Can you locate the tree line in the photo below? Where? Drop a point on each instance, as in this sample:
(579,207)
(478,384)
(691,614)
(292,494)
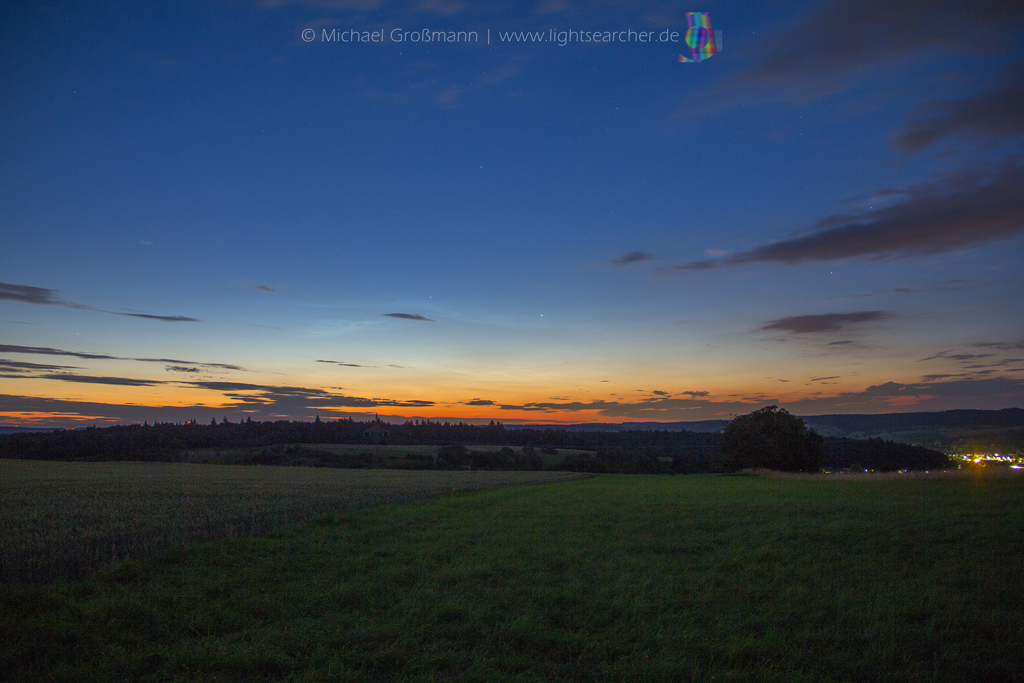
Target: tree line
(276,443)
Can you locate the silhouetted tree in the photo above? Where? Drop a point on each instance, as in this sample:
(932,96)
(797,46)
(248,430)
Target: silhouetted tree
(773,439)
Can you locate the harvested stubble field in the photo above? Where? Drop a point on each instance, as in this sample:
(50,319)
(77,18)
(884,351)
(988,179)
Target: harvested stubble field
(236,456)
(61,519)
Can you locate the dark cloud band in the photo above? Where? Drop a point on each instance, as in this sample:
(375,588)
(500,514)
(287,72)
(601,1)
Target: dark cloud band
(823,322)
(41,296)
(408,316)
(994,114)
(47,351)
(633,257)
(960,211)
(844,40)
(23,366)
(28,295)
(338,362)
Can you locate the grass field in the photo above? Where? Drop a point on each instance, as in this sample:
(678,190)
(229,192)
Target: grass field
(231,456)
(612,578)
(58,520)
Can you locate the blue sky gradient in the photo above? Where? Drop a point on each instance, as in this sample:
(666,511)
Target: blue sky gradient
(204,214)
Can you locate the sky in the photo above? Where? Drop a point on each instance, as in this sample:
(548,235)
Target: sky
(527,212)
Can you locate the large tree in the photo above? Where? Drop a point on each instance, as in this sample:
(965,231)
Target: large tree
(771,438)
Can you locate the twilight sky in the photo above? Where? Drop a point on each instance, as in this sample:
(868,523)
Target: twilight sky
(205,213)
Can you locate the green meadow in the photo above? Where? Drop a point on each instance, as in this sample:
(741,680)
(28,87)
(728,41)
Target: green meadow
(609,578)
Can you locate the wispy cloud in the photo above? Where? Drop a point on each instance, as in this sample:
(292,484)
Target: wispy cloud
(266,394)
(948,285)
(162,318)
(845,40)
(42,296)
(338,362)
(408,316)
(23,366)
(823,322)
(47,351)
(178,361)
(86,379)
(570,406)
(944,393)
(218,385)
(967,209)
(296,406)
(272,401)
(978,365)
(1002,345)
(29,295)
(993,114)
(957,356)
(651,408)
(633,257)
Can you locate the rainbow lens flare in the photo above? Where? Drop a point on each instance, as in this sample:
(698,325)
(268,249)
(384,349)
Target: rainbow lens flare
(699,37)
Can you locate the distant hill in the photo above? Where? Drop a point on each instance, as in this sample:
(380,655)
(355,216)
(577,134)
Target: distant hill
(11,429)
(701,426)
(951,431)
(862,426)
(853,426)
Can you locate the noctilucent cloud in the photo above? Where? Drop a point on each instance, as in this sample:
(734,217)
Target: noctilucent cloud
(530,212)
